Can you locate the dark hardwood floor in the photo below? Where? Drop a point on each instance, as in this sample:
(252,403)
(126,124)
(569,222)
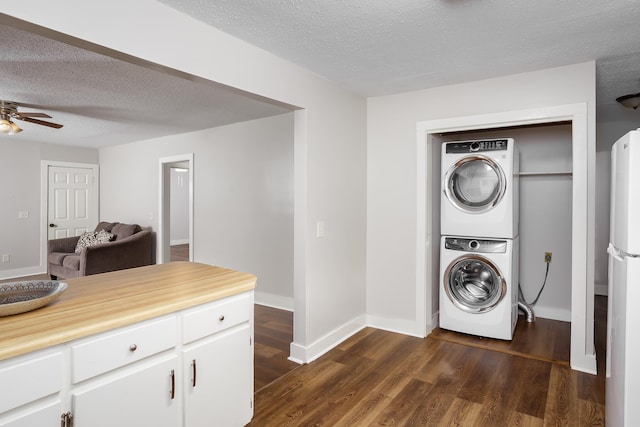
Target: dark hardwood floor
(379,378)
(273,335)
(180,252)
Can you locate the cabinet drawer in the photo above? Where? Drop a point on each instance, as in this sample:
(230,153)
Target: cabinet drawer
(127,345)
(217,316)
(25,379)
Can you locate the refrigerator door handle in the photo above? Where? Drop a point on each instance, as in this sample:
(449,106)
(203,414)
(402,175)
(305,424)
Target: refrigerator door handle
(615,253)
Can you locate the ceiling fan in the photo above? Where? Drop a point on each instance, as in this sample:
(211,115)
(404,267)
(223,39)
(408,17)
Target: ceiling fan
(9,110)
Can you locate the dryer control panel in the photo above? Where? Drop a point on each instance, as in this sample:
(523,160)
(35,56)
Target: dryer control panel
(475,245)
(476,146)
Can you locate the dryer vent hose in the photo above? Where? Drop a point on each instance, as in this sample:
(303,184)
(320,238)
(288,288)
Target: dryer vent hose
(527,308)
(528,311)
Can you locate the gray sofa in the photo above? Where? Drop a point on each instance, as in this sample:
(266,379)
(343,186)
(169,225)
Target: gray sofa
(130,247)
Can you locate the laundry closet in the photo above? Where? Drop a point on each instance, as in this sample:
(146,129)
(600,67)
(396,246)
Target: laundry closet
(543,174)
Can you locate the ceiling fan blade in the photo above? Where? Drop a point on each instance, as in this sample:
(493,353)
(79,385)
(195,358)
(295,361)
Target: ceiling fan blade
(43,115)
(40,122)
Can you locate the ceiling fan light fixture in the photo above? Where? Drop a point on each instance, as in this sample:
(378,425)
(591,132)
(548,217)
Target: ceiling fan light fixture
(630,101)
(8,127)
(5,126)
(14,128)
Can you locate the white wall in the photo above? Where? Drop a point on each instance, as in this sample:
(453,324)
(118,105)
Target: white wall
(243,196)
(392,166)
(330,144)
(20,191)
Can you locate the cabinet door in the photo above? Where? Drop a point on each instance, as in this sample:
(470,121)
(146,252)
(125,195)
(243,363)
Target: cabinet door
(219,380)
(48,416)
(139,396)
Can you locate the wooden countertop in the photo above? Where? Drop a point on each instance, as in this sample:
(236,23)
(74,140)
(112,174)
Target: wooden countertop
(101,302)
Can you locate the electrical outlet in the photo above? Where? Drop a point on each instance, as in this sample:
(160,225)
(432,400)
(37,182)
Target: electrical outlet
(6,258)
(547,257)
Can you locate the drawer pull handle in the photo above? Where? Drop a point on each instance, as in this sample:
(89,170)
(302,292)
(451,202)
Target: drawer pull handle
(193,367)
(221,318)
(133,347)
(172,392)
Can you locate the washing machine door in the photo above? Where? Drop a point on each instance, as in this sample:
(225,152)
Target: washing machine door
(475,184)
(474,284)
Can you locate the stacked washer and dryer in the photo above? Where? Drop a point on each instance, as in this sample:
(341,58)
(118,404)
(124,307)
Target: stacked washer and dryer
(479,250)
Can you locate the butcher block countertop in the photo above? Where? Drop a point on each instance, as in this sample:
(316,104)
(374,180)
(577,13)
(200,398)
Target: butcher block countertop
(101,302)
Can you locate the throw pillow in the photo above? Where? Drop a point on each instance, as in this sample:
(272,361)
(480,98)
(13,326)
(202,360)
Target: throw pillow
(92,238)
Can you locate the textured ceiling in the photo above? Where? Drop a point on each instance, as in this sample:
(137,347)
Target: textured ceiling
(372,47)
(379,47)
(103,101)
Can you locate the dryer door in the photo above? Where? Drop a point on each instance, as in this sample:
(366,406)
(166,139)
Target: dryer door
(475,184)
(474,284)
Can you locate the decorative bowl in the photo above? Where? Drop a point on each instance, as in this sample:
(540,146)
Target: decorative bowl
(20,297)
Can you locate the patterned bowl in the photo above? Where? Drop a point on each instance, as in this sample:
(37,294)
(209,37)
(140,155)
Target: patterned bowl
(20,297)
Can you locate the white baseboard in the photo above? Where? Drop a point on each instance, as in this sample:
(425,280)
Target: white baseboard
(302,354)
(601,289)
(21,272)
(551,313)
(179,242)
(401,326)
(274,301)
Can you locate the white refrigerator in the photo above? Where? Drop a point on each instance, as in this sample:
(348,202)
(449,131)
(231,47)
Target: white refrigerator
(623,323)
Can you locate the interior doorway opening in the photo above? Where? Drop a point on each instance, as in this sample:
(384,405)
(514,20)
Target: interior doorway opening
(175,172)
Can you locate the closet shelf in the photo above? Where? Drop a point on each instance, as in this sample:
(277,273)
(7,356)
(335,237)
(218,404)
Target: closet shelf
(521,174)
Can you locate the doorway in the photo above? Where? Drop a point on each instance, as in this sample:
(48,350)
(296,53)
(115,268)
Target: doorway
(583,356)
(176,209)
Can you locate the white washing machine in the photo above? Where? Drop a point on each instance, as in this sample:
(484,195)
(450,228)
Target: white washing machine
(480,188)
(479,286)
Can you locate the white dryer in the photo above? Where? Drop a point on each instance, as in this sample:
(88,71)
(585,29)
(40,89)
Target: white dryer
(479,286)
(480,188)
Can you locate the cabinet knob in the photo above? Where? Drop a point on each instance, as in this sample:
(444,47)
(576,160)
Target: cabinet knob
(133,347)
(221,318)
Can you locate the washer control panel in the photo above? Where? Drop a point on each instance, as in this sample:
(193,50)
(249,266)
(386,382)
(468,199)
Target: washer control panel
(466,244)
(458,147)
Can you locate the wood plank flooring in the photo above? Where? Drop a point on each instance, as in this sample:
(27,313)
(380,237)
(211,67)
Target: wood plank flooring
(379,378)
(180,252)
(273,335)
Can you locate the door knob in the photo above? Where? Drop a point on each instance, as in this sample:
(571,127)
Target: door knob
(52,225)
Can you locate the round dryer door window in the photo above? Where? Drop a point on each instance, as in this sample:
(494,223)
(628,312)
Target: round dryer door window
(474,284)
(475,184)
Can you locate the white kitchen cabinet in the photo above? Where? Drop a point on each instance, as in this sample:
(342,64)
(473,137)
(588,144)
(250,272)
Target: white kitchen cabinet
(40,416)
(188,369)
(142,396)
(218,363)
(218,390)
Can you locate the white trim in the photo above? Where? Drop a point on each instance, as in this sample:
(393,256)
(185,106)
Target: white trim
(274,301)
(552,313)
(302,354)
(583,146)
(601,289)
(21,272)
(300,235)
(179,242)
(44,200)
(401,326)
(162,247)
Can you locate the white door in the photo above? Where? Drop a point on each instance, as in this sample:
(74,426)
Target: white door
(72,201)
